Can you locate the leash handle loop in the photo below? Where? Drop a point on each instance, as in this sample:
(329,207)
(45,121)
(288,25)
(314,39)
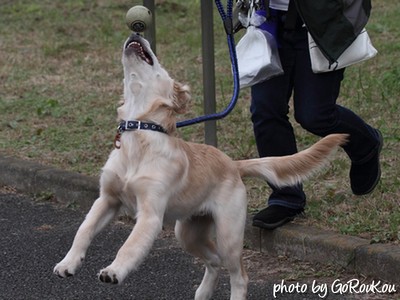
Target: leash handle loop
(228,23)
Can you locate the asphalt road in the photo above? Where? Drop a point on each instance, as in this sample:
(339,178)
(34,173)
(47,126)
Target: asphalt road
(36,235)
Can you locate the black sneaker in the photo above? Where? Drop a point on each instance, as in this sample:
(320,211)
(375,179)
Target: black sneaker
(274,216)
(365,175)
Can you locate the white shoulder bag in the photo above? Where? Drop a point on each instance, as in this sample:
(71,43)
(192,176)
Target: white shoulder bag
(361,49)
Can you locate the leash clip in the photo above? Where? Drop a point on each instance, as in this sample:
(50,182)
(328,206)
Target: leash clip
(117,139)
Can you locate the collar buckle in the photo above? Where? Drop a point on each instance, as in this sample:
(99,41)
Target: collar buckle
(135,125)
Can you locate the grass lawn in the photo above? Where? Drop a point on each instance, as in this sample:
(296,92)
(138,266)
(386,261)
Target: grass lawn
(61,80)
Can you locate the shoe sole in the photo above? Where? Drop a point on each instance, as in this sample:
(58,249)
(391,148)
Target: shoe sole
(373,186)
(261,224)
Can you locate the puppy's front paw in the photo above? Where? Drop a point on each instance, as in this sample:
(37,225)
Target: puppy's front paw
(107,275)
(62,271)
(66,268)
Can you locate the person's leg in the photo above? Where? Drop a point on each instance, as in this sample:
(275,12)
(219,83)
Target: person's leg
(316,110)
(274,134)
(275,137)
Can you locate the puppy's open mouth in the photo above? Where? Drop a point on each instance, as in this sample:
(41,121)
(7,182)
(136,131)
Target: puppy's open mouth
(140,51)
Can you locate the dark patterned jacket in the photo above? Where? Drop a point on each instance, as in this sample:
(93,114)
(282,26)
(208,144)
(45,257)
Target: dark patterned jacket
(334,24)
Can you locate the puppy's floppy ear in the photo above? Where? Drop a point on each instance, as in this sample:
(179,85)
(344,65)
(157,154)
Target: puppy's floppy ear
(180,97)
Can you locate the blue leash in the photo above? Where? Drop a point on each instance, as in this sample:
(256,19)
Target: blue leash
(228,24)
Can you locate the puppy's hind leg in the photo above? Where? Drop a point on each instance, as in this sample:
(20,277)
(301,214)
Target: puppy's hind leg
(230,217)
(194,235)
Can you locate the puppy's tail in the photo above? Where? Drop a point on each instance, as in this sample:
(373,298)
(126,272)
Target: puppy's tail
(292,169)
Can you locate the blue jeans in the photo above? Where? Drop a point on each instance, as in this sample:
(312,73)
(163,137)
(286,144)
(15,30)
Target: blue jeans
(315,109)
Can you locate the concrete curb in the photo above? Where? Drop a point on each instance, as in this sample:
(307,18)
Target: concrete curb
(30,177)
(379,261)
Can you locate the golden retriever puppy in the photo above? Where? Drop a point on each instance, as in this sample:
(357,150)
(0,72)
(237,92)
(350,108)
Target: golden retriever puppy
(157,175)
